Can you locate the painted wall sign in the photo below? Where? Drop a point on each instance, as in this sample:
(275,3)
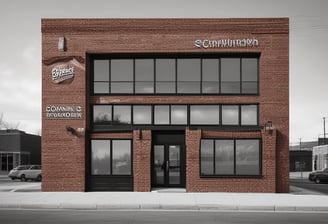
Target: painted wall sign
(63,69)
(61,73)
(227,43)
(63,112)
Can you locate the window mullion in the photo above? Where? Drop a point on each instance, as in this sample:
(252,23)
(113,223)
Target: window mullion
(111,157)
(214,156)
(110,77)
(241,77)
(234,157)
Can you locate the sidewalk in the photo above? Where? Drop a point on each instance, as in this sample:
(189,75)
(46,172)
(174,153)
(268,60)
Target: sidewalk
(163,201)
(298,199)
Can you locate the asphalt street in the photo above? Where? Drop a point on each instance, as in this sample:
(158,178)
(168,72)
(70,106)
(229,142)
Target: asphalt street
(8,185)
(158,217)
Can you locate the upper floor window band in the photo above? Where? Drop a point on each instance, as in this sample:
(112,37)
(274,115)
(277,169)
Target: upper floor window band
(177,76)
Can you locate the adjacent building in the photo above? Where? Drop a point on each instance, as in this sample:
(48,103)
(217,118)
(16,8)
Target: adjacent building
(138,104)
(18,148)
(320,157)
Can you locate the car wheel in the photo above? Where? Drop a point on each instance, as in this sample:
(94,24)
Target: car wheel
(317,180)
(23,178)
(39,178)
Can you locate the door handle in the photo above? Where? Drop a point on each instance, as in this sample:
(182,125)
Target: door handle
(167,166)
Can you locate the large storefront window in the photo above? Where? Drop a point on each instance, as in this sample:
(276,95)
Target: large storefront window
(231,157)
(208,74)
(106,116)
(110,157)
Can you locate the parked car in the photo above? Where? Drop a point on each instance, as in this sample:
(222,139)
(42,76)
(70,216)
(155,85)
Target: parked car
(319,176)
(26,172)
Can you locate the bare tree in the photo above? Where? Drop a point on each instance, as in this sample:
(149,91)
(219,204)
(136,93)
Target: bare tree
(6,125)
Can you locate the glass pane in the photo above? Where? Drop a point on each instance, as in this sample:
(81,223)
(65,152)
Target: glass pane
(165,70)
(178,114)
(209,115)
(122,115)
(207,154)
(121,157)
(248,157)
(121,87)
(250,87)
(230,115)
(174,163)
(174,155)
(189,70)
(100,157)
(162,115)
(142,114)
(230,87)
(210,70)
(250,75)
(210,87)
(159,165)
(249,69)
(101,87)
(165,87)
(144,70)
(101,70)
(230,75)
(102,114)
(174,176)
(122,70)
(188,87)
(249,115)
(144,87)
(224,157)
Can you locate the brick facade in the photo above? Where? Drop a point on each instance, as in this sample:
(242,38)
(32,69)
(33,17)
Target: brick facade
(65,157)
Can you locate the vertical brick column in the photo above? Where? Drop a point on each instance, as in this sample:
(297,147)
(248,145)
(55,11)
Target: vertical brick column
(141,160)
(269,160)
(192,159)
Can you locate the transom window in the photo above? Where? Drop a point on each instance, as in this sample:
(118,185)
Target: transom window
(107,116)
(230,157)
(215,75)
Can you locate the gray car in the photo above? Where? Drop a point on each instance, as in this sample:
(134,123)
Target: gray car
(26,172)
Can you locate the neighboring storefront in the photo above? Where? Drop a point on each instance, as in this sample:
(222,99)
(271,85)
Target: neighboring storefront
(138,104)
(18,148)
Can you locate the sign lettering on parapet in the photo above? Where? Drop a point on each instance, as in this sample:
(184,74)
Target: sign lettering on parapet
(227,43)
(63,112)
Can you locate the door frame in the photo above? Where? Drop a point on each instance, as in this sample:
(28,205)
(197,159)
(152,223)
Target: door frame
(169,138)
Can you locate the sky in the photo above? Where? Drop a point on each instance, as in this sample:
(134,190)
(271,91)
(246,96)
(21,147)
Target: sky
(20,49)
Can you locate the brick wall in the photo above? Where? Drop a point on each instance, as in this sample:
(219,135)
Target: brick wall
(141,160)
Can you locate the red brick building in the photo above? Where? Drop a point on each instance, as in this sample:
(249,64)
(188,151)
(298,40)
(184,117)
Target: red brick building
(138,104)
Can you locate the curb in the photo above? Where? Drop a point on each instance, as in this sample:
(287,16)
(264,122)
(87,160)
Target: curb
(166,207)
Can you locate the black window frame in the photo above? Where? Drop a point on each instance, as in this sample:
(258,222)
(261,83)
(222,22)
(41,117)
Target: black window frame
(111,158)
(98,127)
(234,175)
(174,56)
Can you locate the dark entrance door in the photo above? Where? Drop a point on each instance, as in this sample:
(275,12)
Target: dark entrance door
(168,160)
